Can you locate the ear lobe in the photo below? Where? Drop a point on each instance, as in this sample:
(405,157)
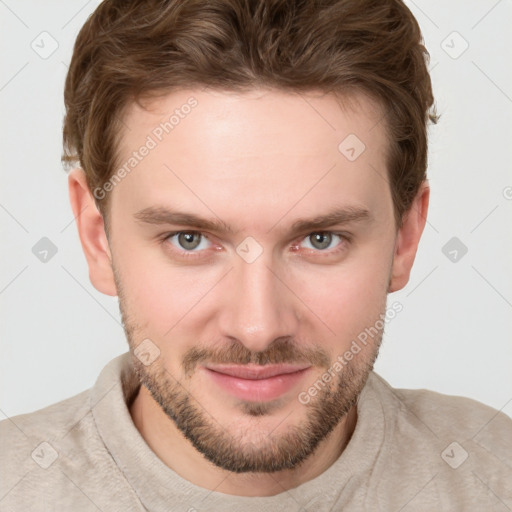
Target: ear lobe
(91,230)
(408,239)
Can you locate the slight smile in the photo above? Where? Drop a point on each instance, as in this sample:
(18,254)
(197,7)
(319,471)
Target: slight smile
(256,383)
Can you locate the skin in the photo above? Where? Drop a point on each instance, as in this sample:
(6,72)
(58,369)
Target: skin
(258,161)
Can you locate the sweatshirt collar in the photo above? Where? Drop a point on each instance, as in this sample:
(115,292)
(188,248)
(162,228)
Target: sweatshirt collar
(159,487)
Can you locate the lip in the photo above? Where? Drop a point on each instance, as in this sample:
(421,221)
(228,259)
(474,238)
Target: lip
(256,383)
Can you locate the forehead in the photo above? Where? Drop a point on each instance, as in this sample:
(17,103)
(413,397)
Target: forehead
(279,120)
(263,149)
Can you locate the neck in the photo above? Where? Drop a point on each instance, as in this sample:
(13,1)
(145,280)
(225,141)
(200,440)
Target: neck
(169,444)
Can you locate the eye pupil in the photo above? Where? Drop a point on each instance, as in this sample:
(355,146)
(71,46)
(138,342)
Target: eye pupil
(186,240)
(322,238)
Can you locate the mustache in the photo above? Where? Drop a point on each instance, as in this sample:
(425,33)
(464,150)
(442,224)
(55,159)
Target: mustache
(280,351)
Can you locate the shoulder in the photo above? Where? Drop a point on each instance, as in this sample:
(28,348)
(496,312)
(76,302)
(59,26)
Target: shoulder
(56,449)
(20,434)
(49,421)
(461,447)
(57,454)
(446,413)
(34,440)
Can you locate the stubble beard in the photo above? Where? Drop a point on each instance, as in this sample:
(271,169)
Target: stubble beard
(270,453)
(236,452)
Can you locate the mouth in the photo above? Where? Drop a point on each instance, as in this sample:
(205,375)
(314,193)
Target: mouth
(256,383)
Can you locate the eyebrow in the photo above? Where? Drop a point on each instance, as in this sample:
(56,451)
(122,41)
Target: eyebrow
(161,215)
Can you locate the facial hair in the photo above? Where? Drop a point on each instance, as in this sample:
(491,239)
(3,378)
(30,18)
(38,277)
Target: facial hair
(271,452)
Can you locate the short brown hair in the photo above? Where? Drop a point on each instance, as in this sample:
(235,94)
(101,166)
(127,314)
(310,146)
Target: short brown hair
(128,50)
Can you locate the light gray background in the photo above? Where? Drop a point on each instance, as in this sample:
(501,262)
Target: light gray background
(453,335)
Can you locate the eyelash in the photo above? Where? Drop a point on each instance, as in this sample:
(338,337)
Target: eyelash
(345,240)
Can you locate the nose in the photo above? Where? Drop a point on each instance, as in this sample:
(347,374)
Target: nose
(257,305)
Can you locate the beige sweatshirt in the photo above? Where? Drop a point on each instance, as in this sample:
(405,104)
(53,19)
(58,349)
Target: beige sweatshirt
(411,450)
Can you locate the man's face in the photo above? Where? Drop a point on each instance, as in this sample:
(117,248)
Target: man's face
(244,322)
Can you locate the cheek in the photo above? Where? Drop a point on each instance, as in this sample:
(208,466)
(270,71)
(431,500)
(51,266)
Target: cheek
(159,293)
(347,298)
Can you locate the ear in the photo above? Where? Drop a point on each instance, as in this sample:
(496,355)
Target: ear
(408,238)
(91,230)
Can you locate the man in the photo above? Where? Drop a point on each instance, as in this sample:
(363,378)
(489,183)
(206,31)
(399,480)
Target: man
(249,179)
